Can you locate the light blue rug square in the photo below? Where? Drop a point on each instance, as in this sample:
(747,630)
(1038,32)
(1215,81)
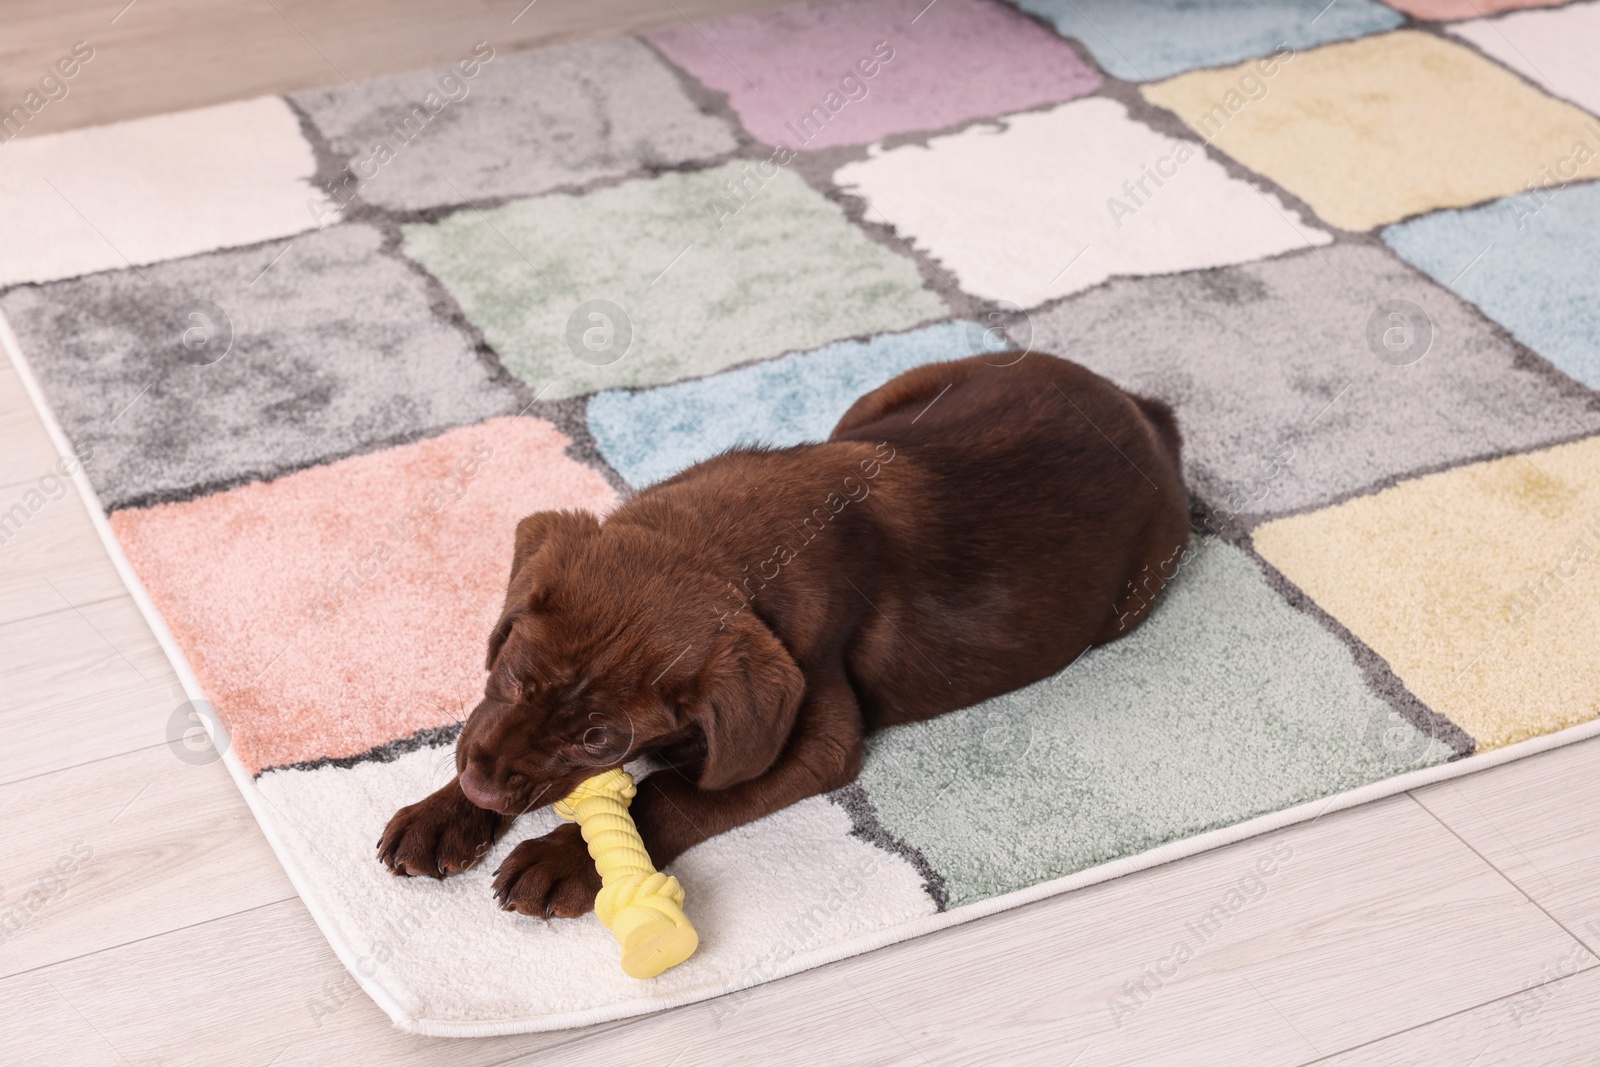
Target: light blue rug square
(1146,40)
(651,434)
(1531,262)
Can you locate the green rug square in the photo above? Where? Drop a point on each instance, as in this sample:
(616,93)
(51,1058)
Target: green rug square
(665,278)
(1226,704)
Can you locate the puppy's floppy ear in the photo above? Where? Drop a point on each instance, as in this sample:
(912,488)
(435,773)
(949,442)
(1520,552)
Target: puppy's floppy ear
(745,702)
(533,533)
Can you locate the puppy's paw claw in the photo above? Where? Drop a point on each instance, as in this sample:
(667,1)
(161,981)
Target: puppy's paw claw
(549,877)
(439,836)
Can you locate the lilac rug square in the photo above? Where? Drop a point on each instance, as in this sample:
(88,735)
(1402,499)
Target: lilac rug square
(820,75)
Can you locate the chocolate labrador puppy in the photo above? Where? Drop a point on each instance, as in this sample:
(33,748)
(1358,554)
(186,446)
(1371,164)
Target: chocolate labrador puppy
(969,528)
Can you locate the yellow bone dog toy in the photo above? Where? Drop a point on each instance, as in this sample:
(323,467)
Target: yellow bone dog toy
(639,904)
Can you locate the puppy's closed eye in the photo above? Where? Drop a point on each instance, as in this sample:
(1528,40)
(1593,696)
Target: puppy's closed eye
(505,686)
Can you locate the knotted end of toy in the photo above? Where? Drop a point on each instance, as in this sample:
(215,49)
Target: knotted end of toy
(641,906)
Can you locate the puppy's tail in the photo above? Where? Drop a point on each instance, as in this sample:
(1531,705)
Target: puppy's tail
(1165,424)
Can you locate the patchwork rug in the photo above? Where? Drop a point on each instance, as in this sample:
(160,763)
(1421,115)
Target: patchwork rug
(319,353)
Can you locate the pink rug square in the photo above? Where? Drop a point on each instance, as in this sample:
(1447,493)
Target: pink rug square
(818,75)
(1446,10)
(347,605)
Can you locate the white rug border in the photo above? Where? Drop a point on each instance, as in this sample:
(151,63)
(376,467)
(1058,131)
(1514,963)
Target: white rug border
(348,955)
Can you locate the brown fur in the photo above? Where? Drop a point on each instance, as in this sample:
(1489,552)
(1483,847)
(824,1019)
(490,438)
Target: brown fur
(968,528)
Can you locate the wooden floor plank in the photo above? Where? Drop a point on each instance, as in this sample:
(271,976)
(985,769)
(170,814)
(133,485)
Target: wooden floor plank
(1535,820)
(122,849)
(254,988)
(1376,922)
(52,558)
(1556,1024)
(26,454)
(81,684)
(210,51)
(44,1030)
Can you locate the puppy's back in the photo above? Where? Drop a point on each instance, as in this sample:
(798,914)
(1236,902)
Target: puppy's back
(1030,493)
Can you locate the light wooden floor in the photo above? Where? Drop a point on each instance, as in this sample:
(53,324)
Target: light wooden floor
(1454,925)
(154,56)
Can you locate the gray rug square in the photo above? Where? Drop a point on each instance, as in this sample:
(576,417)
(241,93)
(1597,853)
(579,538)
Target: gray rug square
(202,373)
(1301,380)
(521,124)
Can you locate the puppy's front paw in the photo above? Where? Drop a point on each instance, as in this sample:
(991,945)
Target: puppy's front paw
(440,835)
(550,876)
